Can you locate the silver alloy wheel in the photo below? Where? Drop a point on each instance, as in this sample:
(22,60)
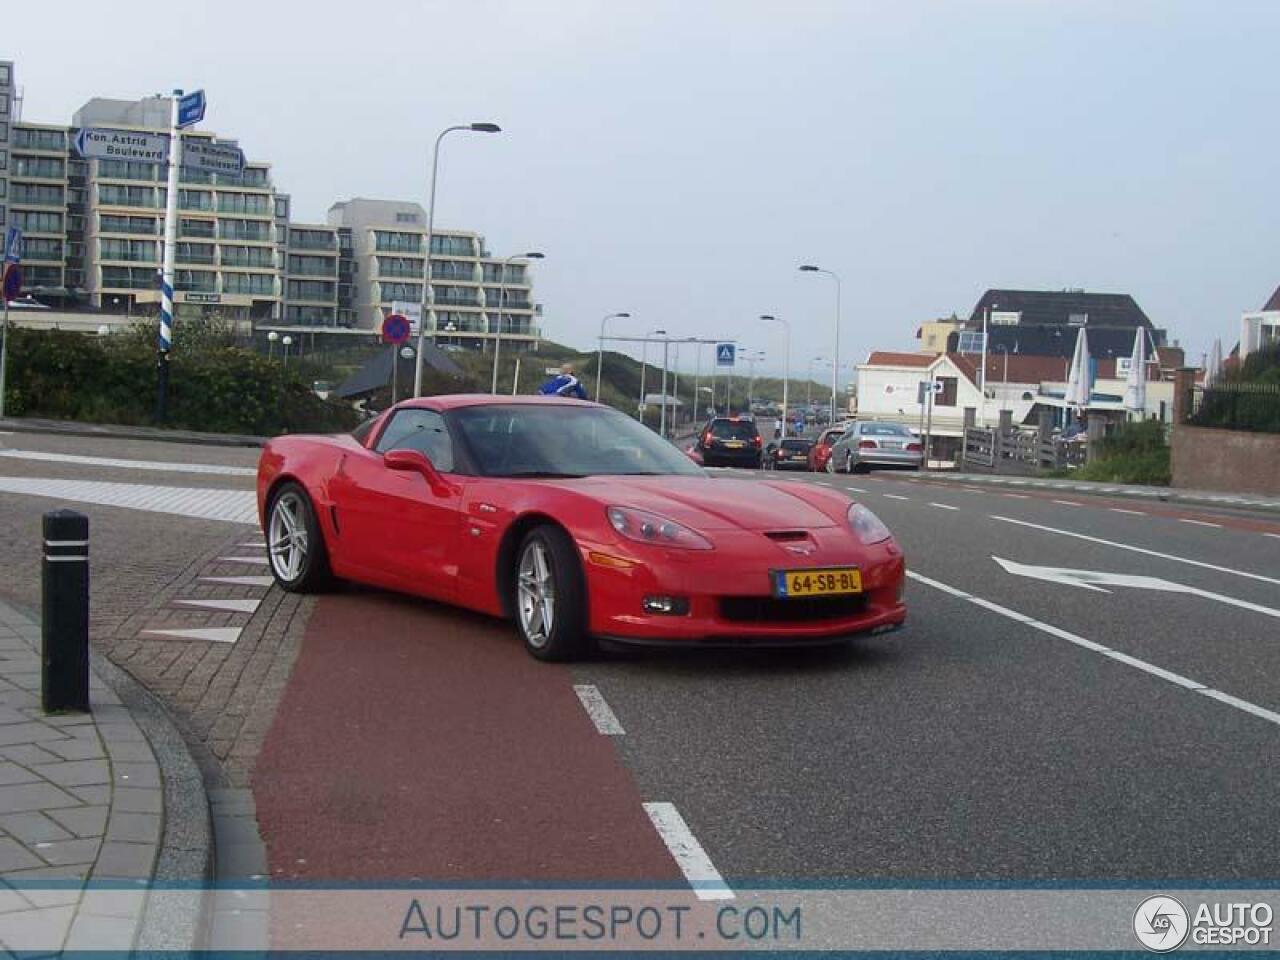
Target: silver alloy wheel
(537,594)
(287,536)
(848,461)
(831,464)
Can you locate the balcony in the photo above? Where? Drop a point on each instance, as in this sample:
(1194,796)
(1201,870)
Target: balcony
(453,300)
(303,241)
(198,228)
(126,256)
(230,232)
(249,263)
(200,259)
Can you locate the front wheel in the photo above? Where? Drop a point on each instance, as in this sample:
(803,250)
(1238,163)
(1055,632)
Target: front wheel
(550,596)
(831,464)
(295,544)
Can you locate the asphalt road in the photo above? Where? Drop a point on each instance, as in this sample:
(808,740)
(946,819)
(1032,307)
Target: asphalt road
(1020,729)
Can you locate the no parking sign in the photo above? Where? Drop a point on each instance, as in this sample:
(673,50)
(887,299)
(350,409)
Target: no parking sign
(395,328)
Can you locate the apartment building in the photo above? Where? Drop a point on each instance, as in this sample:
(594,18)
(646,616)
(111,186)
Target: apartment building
(388,254)
(94,234)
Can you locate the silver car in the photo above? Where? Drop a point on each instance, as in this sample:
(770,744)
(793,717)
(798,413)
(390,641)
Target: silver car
(865,444)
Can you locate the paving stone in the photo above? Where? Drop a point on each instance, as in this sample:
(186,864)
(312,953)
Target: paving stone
(113,902)
(101,933)
(14,856)
(138,799)
(32,827)
(76,749)
(15,773)
(82,821)
(130,752)
(94,796)
(62,895)
(136,775)
(29,755)
(36,931)
(62,852)
(120,732)
(11,900)
(34,796)
(119,859)
(134,827)
(77,773)
(19,733)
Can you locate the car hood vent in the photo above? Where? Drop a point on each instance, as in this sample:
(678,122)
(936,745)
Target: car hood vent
(787,536)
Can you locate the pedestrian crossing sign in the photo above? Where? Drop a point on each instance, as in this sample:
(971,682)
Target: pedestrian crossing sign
(725,353)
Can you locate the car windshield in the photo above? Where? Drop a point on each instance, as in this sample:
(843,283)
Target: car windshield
(795,445)
(884,430)
(563,440)
(733,430)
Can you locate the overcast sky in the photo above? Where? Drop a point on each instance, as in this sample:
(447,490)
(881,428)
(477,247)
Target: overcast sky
(678,160)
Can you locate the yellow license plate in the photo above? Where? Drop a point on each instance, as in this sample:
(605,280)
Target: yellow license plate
(831,581)
(734,443)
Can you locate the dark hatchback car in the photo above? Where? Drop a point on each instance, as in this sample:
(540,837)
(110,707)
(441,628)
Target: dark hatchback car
(730,442)
(791,454)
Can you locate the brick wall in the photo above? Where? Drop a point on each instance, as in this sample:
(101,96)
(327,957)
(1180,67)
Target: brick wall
(1234,461)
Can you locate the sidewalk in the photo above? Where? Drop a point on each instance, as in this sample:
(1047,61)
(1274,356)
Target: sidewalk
(1203,498)
(83,816)
(74,428)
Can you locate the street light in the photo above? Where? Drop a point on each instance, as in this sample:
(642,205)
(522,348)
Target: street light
(835,355)
(1004,381)
(272,337)
(600,351)
(786,367)
(287,342)
(502,295)
(644,364)
(427,297)
(808,389)
(752,359)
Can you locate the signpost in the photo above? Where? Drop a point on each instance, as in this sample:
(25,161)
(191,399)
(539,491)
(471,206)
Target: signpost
(190,108)
(395,331)
(726,354)
(12,285)
(99,143)
(210,157)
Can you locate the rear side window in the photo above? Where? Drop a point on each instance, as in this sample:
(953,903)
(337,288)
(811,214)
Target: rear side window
(733,430)
(884,430)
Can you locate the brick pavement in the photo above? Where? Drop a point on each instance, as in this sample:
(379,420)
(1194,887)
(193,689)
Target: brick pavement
(80,811)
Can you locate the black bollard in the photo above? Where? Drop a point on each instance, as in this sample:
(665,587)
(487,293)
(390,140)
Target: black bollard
(64,674)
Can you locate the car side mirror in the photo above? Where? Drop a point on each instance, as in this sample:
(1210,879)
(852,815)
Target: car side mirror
(415,461)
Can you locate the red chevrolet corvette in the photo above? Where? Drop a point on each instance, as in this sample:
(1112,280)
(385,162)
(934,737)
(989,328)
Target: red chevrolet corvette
(576,522)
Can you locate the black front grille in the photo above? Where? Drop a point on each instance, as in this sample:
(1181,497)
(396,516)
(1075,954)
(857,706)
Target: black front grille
(791,609)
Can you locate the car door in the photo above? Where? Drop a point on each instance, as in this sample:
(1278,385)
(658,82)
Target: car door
(399,528)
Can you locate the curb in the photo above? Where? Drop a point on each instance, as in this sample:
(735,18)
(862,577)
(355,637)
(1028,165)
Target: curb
(1132,492)
(72,428)
(170,924)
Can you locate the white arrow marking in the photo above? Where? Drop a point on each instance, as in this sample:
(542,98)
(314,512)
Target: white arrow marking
(214,634)
(1095,580)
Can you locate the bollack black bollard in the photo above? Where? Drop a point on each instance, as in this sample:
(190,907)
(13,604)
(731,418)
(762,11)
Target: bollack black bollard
(64,674)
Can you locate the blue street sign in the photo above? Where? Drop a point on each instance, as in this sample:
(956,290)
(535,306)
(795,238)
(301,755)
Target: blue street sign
(725,354)
(12,245)
(12,282)
(191,108)
(395,328)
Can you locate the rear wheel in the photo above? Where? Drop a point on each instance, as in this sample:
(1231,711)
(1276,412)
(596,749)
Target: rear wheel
(550,597)
(295,545)
(831,464)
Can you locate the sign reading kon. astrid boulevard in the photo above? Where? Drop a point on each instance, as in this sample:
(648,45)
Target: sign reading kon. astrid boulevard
(103,144)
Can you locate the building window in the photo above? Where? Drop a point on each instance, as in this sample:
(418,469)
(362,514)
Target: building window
(406,218)
(259,283)
(411,292)
(32,221)
(385,241)
(6,75)
(1005,318)
(947,398)
(310,290)
(4,127)
(970,341)
(453,246)
(126,170)
(1077,319)
(4,159)
(113,223)
(4,188)
(38,195)
(313,266)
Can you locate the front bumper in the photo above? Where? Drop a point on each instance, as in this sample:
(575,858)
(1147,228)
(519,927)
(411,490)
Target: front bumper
(712,580)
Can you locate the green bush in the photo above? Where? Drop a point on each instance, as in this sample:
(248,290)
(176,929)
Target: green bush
(1134,453)
(214,386)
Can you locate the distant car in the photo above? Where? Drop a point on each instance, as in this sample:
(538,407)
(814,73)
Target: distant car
(868,444)
(791,454)
(820,452)
(731,442)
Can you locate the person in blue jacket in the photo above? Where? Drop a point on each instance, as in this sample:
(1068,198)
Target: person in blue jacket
(565,384)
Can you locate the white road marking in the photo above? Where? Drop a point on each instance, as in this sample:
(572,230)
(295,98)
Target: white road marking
(1149,668)
(241,581)
(598,710)
(252,546)
(230,506)
(1143,550)
(943,506)
(214,634)
(1016,496)
(1132,513)
(693,861)
(259,560)
(822,483)
(1273,536)
(1068,503)
(1200,523)
(160,465)
(1098,580)
(230,606)
(895,496)
(855,489)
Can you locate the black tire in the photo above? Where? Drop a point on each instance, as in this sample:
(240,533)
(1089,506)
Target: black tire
(567,638)
(311,573)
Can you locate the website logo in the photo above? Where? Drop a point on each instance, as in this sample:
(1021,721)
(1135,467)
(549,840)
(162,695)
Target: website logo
(1161,923)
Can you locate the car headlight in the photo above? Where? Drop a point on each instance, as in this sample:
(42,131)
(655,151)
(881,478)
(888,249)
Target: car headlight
(646,527)
(867,527)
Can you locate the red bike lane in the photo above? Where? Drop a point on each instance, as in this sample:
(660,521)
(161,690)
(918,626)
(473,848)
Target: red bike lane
(417,742)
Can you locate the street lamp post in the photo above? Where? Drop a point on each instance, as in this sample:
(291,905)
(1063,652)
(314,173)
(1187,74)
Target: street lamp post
(272,337)
(502,296)
(835,355)
(786,367)
(427,298)
(808,389)
(644,366)
(666,360)
(1004,380)
(600,352)
(752,359)
(286,343)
